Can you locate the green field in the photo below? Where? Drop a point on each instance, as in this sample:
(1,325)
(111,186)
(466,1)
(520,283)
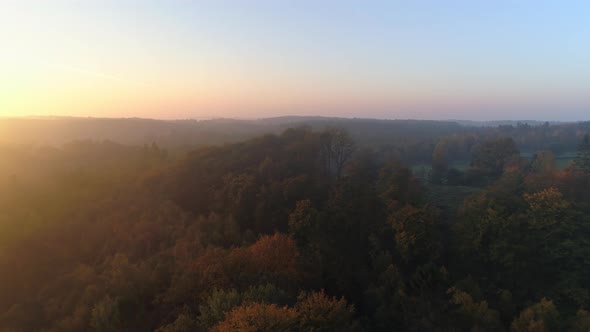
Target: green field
(422,170)
(562,160)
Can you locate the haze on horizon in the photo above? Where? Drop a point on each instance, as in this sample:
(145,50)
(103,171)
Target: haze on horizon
(385,59)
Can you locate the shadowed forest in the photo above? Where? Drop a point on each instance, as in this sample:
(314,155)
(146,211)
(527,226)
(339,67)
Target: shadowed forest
(293,224)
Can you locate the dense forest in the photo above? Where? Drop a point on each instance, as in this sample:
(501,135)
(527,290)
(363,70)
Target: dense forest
(311,224)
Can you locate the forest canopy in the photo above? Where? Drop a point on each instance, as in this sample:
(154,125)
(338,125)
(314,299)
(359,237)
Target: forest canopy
(296,225)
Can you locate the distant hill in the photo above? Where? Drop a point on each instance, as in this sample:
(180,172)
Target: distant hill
(133,131)
(187,134)
(137,131)
(503,123)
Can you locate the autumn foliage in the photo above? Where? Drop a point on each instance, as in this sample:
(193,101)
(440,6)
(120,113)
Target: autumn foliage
(308,230)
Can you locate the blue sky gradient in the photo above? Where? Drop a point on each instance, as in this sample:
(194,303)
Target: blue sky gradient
(389,59)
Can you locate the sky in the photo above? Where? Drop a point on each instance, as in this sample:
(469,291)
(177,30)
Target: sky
(421,59)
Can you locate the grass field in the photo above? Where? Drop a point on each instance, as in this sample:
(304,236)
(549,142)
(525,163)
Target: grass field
(423,170)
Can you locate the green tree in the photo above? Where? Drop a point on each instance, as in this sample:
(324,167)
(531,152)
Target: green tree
(337,148)
(185,322)
(398,186)
(491,156)
(304,224)
(318,312)
(582,160)
(416,233)
(474,316)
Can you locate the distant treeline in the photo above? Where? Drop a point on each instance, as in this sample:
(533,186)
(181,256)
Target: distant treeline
(410,140)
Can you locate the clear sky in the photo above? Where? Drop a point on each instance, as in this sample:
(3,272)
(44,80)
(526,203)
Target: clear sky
(470,59)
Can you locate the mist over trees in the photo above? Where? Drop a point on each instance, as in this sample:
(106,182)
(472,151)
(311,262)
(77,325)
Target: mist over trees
(294,224)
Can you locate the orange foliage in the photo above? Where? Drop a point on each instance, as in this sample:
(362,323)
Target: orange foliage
(319,312)
(258,317)
(550,200)
(276,254)
(314,312)
(272,259)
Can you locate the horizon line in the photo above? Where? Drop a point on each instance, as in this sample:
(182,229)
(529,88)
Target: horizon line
(212,118)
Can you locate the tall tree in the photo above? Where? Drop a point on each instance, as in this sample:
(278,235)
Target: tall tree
(491,156)
(337,147)
(544,162)
(440,164)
